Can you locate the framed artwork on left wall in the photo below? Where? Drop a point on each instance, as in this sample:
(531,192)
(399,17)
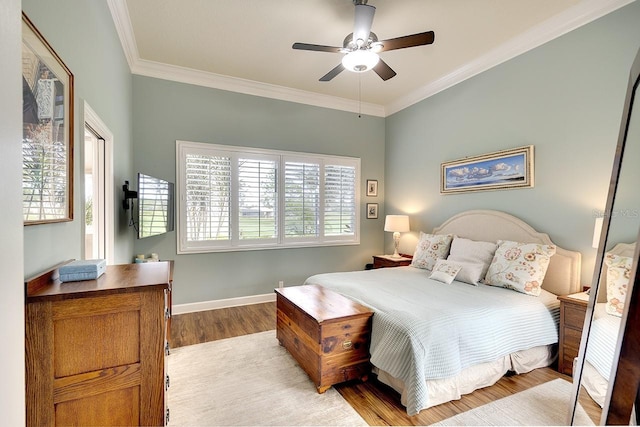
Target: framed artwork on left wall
(372,211)
(47,131)
(372,187)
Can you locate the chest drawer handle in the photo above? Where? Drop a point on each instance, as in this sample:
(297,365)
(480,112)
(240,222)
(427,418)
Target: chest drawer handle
(346,345)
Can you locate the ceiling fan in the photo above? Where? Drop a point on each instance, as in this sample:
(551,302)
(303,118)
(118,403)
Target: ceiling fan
(361,47)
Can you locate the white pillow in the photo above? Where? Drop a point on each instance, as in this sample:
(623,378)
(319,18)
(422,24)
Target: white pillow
(430,248)
(472,254)
(471,272)
(445,271)
(520,266)
(618,273)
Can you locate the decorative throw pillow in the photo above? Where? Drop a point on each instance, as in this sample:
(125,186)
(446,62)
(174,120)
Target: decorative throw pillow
(618,273)
(430,248)
(520,266)
(445,271)
(473,254)
(471,272)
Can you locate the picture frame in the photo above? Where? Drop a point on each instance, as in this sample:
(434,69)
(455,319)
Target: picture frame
(372,211)
(372,187)
(47,138)
(500,170)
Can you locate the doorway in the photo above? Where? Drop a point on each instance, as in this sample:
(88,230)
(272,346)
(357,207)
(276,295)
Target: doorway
(98,189)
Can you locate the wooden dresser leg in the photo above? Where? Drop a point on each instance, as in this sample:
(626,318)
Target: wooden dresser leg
(323,389)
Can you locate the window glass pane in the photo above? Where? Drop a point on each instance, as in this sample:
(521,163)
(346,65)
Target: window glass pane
(339,200)
(302,199)
(257,199)
(207,190)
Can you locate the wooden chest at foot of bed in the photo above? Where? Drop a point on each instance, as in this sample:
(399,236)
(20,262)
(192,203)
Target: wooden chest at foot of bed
(327,333)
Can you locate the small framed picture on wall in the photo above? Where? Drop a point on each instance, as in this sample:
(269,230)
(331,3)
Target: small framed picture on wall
(372,187)
(372,211)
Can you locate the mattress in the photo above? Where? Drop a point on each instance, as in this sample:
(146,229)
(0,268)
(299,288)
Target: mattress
(425,329)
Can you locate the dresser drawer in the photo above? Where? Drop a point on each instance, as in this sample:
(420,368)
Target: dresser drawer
(572,339)
(574,316)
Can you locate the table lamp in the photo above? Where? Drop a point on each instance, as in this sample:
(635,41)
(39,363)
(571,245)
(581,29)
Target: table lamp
(397,224)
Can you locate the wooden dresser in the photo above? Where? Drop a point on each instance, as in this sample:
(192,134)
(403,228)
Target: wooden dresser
(327,333)
(95,349)
(572,312)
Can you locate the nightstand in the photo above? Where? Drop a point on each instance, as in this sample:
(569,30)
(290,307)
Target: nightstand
(572,312)
(384,261)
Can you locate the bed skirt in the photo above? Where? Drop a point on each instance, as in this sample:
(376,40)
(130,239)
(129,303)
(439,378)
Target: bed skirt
(594,383)
(477,376)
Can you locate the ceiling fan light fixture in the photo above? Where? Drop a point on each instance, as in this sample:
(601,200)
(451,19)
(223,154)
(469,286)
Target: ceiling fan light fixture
(376,47)
(360,60)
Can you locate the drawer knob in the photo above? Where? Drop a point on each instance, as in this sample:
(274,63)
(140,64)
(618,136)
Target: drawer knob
(346,345)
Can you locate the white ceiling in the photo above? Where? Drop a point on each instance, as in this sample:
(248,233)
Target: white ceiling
(245,45)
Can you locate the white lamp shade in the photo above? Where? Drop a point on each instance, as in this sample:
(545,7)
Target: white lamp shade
(360,60)
(395,223)
(597,229)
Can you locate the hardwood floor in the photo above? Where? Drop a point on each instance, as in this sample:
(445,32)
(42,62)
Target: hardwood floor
(375,402)
(204,326)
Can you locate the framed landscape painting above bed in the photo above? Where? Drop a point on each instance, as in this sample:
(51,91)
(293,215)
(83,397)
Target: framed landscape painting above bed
(500,170)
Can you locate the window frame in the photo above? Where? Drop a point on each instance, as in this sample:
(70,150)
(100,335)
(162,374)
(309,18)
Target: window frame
(183,148)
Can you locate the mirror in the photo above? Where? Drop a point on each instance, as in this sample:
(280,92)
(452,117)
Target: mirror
(597,360)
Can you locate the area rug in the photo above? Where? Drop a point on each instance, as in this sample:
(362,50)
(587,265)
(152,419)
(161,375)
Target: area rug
(543,405)
(248,381)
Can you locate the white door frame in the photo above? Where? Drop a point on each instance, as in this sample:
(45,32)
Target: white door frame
(94,121)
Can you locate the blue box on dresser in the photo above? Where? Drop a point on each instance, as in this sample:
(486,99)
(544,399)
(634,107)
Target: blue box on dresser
(82,270)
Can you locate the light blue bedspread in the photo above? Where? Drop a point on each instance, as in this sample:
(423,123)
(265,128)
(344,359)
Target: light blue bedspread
(603,338)
(425,329)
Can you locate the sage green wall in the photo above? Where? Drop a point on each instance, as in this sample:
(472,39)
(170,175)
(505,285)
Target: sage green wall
(564,97)
(84,36)
(166,111)
(11,259)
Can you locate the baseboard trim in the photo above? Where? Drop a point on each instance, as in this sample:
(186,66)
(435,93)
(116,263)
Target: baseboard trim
(221,303)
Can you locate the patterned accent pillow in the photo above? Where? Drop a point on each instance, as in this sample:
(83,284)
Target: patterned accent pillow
(430,248)
(618,273)
(445,271)
(520,266)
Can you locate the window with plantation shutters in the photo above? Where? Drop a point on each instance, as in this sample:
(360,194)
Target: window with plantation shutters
(339,200)
(207,195)
(257,203)
(301,199)
(237,198)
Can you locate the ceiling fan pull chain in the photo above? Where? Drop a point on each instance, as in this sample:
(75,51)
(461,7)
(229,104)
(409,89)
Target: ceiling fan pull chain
(359,95)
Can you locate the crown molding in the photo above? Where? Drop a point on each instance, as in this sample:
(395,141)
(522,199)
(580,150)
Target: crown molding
(584,12)
(122,21)
(556,26)
(249,87)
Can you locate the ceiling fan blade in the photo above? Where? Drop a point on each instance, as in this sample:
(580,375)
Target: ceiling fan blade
(362,22)
(419,39)
(331,74)
(383,70)
(316,47)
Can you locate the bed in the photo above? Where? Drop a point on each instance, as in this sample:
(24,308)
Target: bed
(603,336)
(434,341)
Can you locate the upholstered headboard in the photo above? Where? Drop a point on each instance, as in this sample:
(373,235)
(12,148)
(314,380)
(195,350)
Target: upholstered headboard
(563,274)
(622,249)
